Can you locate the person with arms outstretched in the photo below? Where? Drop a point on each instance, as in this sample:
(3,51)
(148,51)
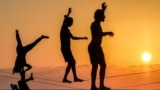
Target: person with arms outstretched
(95,50)
(21,53)
(65,36)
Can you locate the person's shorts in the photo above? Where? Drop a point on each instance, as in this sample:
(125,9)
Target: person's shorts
(96,55)
(67,54)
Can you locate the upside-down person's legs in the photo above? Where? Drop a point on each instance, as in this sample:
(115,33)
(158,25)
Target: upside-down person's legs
(93,76)
(66,73)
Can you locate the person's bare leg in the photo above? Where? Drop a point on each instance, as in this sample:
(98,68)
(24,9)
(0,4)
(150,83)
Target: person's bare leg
(65,80)
(93,76)
(76,79)
(102,76)
(33,44)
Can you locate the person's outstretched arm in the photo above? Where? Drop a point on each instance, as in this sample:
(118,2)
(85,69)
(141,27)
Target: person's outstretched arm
(77,38)
(67,15)
(108,33)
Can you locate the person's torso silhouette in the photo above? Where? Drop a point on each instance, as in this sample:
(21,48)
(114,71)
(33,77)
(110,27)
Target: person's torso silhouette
(96,32)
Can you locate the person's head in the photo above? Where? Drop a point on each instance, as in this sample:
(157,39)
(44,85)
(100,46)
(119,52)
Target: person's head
(99,15)
(69,21)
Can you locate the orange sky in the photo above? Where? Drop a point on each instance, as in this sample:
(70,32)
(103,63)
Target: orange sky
(134,22)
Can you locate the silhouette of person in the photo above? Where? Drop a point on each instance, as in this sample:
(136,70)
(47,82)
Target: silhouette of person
(21,53)
(95,49)
(65,36)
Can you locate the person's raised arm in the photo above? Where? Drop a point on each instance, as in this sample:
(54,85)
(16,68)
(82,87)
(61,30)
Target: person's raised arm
(104,6)
(67,15)
(69,12)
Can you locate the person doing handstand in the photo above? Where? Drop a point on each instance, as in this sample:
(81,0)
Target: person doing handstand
(20,62)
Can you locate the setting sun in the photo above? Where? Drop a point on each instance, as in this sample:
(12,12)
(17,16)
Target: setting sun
(146,57)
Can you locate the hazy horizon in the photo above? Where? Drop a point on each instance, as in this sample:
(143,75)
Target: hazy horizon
(135,24)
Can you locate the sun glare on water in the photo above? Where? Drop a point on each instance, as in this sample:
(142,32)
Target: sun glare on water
(146,57)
